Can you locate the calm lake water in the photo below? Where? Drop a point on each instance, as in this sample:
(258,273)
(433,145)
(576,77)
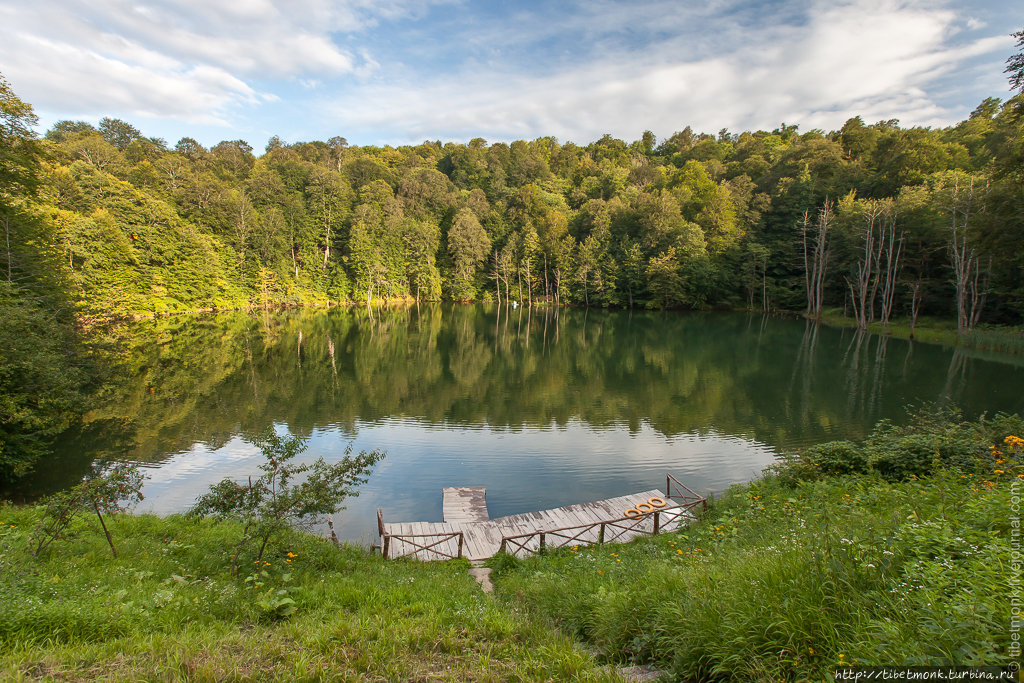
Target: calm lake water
(544,407)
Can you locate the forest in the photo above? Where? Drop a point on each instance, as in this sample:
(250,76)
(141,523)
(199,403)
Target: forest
(877,220)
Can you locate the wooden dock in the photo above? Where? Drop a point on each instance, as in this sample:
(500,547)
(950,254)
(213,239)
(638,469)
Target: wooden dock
(467,530)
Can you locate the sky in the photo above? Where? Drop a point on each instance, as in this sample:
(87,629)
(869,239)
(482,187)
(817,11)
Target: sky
(405,71)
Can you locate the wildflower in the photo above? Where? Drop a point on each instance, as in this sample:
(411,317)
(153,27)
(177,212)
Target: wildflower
(999,472)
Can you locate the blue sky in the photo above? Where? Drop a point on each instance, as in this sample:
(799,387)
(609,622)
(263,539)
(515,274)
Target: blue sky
(401,71)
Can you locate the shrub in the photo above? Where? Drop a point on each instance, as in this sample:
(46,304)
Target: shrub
(838,457)
(272,503)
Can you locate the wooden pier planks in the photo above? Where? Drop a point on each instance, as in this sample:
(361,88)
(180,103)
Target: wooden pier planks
(464,504)
(465,510)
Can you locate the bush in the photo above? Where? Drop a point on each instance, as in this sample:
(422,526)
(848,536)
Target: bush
(838,457)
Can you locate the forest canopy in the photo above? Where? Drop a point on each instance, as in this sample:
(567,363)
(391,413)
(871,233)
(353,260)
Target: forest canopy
(133,225)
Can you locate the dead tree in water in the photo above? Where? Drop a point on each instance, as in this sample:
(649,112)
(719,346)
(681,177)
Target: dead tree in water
(816,260)
(892,250)
(970,294)
(879,215)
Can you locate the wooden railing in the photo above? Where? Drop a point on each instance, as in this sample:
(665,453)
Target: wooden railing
(606,531)
(683,493)
(420,545)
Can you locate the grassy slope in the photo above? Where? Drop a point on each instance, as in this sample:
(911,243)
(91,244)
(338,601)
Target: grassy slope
(785,579)
(167,609)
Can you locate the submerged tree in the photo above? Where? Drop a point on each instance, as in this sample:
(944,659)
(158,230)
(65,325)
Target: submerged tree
(816,260)
(960,199)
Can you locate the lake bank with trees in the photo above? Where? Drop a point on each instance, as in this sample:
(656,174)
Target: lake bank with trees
(103,223)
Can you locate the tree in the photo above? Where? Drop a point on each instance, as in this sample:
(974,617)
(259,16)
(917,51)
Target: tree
(421,240)
(274,502)
(327,194)
(468,245)
(960,198)
(664,280)
(19,150)
(118,133)
(108,488)
(62,130)
(633,269)
(1015,64)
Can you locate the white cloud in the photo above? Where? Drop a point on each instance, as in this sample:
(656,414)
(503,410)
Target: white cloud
(188,60)
(393,70)
(869,57)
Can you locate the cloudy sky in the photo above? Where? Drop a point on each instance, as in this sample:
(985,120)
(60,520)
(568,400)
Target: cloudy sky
(398,71)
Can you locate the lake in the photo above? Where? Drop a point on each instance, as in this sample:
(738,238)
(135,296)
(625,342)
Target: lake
(545,407)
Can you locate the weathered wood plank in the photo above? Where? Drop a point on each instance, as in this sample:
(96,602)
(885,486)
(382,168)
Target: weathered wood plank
(464,504)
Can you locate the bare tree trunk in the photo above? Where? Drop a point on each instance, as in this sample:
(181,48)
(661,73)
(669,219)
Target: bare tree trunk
(816,260)
(7,233)
(979,294)
(915,303)
(963,260)
(859,294)
(105,530)
(547,289)
(893,250)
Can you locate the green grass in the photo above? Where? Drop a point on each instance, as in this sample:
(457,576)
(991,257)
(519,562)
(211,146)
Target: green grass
(795,574)
(941,331)
(905,561)
(167,610)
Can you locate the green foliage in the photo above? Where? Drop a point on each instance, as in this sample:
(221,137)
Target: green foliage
(109,488)
(837,457)
(272,503)
(44,380)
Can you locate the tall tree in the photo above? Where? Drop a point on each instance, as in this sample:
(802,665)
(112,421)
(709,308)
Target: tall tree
(468,245)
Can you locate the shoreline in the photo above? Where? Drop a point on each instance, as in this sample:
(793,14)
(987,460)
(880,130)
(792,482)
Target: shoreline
(1002,341)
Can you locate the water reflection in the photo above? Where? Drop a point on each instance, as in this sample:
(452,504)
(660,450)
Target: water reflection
(538,403)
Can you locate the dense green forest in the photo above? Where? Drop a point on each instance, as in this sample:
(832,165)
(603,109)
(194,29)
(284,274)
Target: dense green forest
(101,222)
(134,226)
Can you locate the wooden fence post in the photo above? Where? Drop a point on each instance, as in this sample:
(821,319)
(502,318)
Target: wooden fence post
(600,535)
(657,520)
(460,545)
(501,548)
(542,540)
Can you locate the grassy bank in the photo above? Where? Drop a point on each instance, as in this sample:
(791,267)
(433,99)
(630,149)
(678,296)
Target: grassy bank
(940,331)
(893,551)
(902,560)
(168,610)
